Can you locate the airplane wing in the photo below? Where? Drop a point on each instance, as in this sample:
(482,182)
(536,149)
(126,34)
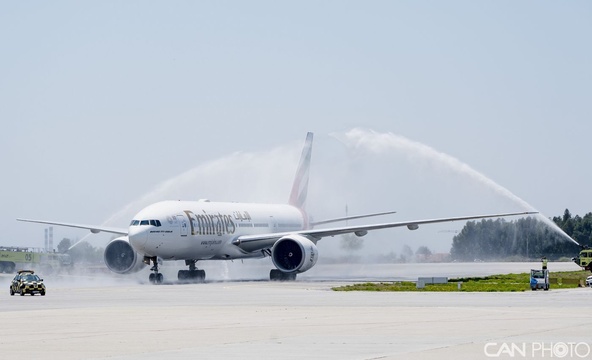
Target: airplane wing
(265,241)
(93,228)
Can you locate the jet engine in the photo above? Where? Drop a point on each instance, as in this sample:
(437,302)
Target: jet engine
(294,254)
(121,258)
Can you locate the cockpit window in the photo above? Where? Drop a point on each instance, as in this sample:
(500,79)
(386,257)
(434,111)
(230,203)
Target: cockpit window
(145,222)
(155,222)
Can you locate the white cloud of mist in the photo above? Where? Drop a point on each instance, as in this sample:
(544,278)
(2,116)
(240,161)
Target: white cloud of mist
(242,177)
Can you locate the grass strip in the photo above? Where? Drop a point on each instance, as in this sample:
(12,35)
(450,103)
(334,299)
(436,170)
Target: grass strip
(494,283)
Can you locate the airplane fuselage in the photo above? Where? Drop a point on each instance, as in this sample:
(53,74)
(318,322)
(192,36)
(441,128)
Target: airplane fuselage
(200,230)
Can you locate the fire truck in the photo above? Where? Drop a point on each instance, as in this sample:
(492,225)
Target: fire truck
(12,258)
(584,258)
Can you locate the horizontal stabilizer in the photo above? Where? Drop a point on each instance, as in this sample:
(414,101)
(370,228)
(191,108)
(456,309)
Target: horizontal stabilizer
(329,221)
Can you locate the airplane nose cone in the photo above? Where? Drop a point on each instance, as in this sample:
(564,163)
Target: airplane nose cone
(137,237)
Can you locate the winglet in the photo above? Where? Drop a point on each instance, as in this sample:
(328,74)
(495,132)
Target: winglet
(300,186)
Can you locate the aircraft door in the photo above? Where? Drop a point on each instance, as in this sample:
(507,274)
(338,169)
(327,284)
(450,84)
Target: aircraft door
(184,225)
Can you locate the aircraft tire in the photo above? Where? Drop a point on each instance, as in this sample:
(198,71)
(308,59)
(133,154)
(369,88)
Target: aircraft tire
(277,275)
(182,275)
(197,276)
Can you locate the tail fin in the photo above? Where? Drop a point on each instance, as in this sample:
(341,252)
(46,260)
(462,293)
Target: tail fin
(300,186)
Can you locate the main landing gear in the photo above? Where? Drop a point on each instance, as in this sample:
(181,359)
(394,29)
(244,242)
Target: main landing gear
(155,277)
(277,275)
(193,274)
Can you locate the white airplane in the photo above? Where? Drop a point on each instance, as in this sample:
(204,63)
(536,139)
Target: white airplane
(205,230)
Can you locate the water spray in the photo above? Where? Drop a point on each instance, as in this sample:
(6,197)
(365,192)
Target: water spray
(379,143)
(79,241)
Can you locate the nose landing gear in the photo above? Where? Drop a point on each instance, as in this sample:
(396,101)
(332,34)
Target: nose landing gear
(155,277)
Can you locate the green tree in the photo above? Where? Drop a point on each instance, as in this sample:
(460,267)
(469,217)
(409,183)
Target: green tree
(526,238)
(351,242)
(64,245)
(424,251)
(406,253)
(86,253)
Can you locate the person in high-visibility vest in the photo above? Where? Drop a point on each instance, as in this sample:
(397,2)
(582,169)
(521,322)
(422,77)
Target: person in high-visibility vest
(544,260)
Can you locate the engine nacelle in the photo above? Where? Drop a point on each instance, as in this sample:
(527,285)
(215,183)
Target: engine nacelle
(120,257)
(294,253)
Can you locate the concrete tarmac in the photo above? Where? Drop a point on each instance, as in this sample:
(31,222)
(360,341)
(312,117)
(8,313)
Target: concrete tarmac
(302,319)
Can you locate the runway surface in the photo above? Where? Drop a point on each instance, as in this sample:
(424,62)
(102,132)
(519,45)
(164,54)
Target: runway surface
(117,318)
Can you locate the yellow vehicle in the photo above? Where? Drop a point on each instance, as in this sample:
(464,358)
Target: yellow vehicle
(584,259)
(13,257)
(26,282)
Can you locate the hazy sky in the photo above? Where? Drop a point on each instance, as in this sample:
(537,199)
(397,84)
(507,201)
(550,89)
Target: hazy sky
(102,102)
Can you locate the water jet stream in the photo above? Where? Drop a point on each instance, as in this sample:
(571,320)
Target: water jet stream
(380,143)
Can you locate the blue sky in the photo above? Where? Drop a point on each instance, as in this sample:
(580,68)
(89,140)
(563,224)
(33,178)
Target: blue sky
(103,101)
